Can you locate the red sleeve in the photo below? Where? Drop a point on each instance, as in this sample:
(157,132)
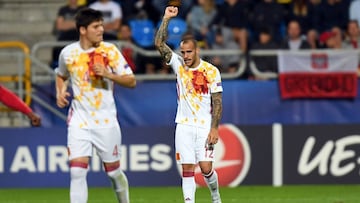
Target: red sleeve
(12,101)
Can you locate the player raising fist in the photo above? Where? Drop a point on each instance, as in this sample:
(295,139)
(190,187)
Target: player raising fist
(199,109)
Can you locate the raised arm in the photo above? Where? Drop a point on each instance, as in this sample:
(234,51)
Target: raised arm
(161,34)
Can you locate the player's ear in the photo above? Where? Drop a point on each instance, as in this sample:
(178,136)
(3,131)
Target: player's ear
(82,30)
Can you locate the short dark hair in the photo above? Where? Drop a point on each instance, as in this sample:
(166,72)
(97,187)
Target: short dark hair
(189,38)
(86,16)
(266,30)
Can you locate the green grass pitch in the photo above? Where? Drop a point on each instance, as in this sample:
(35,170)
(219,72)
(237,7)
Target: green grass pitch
(241,194)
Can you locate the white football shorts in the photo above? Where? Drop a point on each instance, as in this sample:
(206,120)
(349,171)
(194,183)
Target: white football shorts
(190,145)
(106,141)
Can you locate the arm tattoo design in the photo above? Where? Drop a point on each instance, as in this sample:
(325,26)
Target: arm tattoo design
(160,39)
(216,101)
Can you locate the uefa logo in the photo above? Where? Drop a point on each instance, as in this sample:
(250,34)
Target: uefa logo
(232,157)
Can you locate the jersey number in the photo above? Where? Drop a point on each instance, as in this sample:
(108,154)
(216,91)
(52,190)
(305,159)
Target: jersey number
(115,151)
(209,153)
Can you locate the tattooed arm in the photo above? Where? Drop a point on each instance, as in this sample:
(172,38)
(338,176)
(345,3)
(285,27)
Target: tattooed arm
(216,99)
(161,34)
(216,102)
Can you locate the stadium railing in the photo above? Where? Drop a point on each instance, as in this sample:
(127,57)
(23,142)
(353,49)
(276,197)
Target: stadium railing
(245,61)
(16,75)
(23,71)
(49,72)
(42,72)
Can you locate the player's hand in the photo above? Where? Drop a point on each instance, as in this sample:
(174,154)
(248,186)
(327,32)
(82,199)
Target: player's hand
(100,70)
(171,11)
(213,136)
(34,119)
(61,99)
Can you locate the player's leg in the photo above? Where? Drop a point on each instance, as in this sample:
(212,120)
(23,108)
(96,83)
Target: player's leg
(108,142)
(185,155)
(206,155)
(188,182)
(118,180)
(78,184)
(211,179)
(79,152)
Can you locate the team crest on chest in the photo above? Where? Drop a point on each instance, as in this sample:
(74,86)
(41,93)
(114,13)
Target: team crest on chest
(200,82)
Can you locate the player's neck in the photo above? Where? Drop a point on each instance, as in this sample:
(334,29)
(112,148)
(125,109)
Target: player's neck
(85,44)
(196,64)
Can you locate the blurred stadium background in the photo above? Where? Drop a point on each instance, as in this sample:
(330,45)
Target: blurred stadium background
(283,139)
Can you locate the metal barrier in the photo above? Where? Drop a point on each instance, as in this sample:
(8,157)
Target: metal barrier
(153,53)
(245,61)
(18,74)
(23,77)
(32,65)
(149,53)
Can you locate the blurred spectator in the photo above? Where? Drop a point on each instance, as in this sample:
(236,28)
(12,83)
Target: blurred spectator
(139,9)
(268,14)
(126,49)
(294,40)
(82,2)
(329,40)
(303,11)
(149,65)
(65,27)
(112,13)
(339,36)
(234,14)
(286,4)
(265,42)
(89,2)
(354,11)
(312,33)
(224,40)
(185,7)
(199,19)
(331,13)
(352,37)
(284,1)
(219,2)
